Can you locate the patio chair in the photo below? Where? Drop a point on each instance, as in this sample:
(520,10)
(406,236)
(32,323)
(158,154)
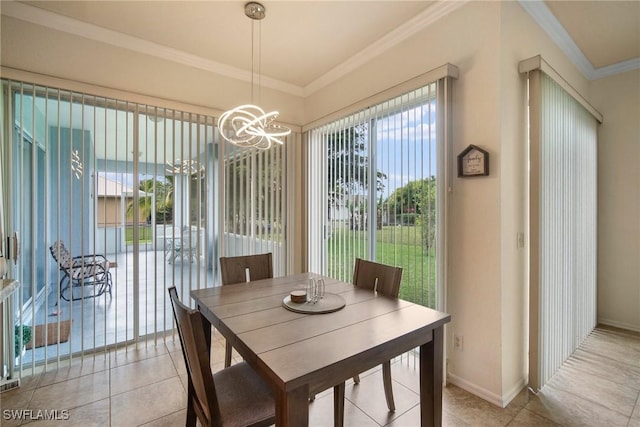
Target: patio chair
(234,396)
(81,272)
(184,245)
(240,269)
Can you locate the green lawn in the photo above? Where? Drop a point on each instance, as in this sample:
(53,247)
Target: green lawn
(400,246)
(145,234)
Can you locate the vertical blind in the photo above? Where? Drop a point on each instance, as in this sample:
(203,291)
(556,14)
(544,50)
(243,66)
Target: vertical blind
(254,206)
(563,225)
(150,190)
(375,191)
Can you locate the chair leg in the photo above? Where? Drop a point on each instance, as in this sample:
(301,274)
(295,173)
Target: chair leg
(227,354)
(386,379)
(191,414)
(64,288)
(338,405)
(109,282)
(356,379)
(192,417)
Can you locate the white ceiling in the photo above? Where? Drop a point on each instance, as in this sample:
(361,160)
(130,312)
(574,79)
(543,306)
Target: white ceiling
(322,40)
(607,32)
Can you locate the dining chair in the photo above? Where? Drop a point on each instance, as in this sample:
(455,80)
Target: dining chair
(383,279)
(240,269)
(234,396)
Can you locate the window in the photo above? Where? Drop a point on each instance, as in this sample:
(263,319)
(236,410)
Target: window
(376,180)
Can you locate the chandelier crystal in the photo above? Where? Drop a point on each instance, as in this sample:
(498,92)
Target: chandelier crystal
(249,125)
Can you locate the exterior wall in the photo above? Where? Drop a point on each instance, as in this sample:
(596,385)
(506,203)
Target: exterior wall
(618,99)
(109,211)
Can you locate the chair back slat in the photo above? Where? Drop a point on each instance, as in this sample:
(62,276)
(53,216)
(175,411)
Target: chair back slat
(195,349)
(234,269)
(382,278)
(61,255)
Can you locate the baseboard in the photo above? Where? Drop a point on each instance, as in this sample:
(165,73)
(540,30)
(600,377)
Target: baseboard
(474,389)
(621,325)
(26,311)
(501,401)
(515,390)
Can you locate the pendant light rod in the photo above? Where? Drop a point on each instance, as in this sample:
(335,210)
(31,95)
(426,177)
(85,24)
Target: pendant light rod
(256,12)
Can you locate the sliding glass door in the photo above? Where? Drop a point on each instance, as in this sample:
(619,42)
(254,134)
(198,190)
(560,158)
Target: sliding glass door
(376,192)
(563,224)
(108,200)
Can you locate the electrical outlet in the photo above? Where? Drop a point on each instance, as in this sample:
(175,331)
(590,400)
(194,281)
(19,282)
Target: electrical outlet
(458,342)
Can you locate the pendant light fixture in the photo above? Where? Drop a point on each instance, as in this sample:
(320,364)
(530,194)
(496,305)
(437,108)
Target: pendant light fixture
(249,125)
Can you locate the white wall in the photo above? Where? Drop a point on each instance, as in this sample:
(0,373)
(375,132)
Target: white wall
(514,202)
(618,99)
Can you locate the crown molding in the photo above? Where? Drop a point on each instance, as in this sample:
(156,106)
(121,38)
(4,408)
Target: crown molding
(536,8)
(65,24)
(620,67)
(386,42)
(550,24)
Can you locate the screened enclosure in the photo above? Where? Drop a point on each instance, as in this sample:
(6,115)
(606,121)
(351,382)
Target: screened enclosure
(135,195)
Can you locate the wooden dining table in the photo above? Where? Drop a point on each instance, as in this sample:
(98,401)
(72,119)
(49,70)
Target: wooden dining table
(300,354)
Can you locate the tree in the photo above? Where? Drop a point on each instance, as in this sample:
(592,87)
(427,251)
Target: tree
(348,165)
(427,215)
(416,203)
(405,201)
(163,194)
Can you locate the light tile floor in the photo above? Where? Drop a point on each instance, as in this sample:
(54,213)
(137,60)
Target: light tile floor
(145,385)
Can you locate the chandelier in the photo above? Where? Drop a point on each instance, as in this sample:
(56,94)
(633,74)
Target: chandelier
(183,167)
(249,125)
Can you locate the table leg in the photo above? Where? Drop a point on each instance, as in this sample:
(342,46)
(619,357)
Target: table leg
(431,355)
(338,405)
(292,408)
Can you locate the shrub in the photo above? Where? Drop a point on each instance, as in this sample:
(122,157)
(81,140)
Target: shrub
(408,218)
(26,337)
